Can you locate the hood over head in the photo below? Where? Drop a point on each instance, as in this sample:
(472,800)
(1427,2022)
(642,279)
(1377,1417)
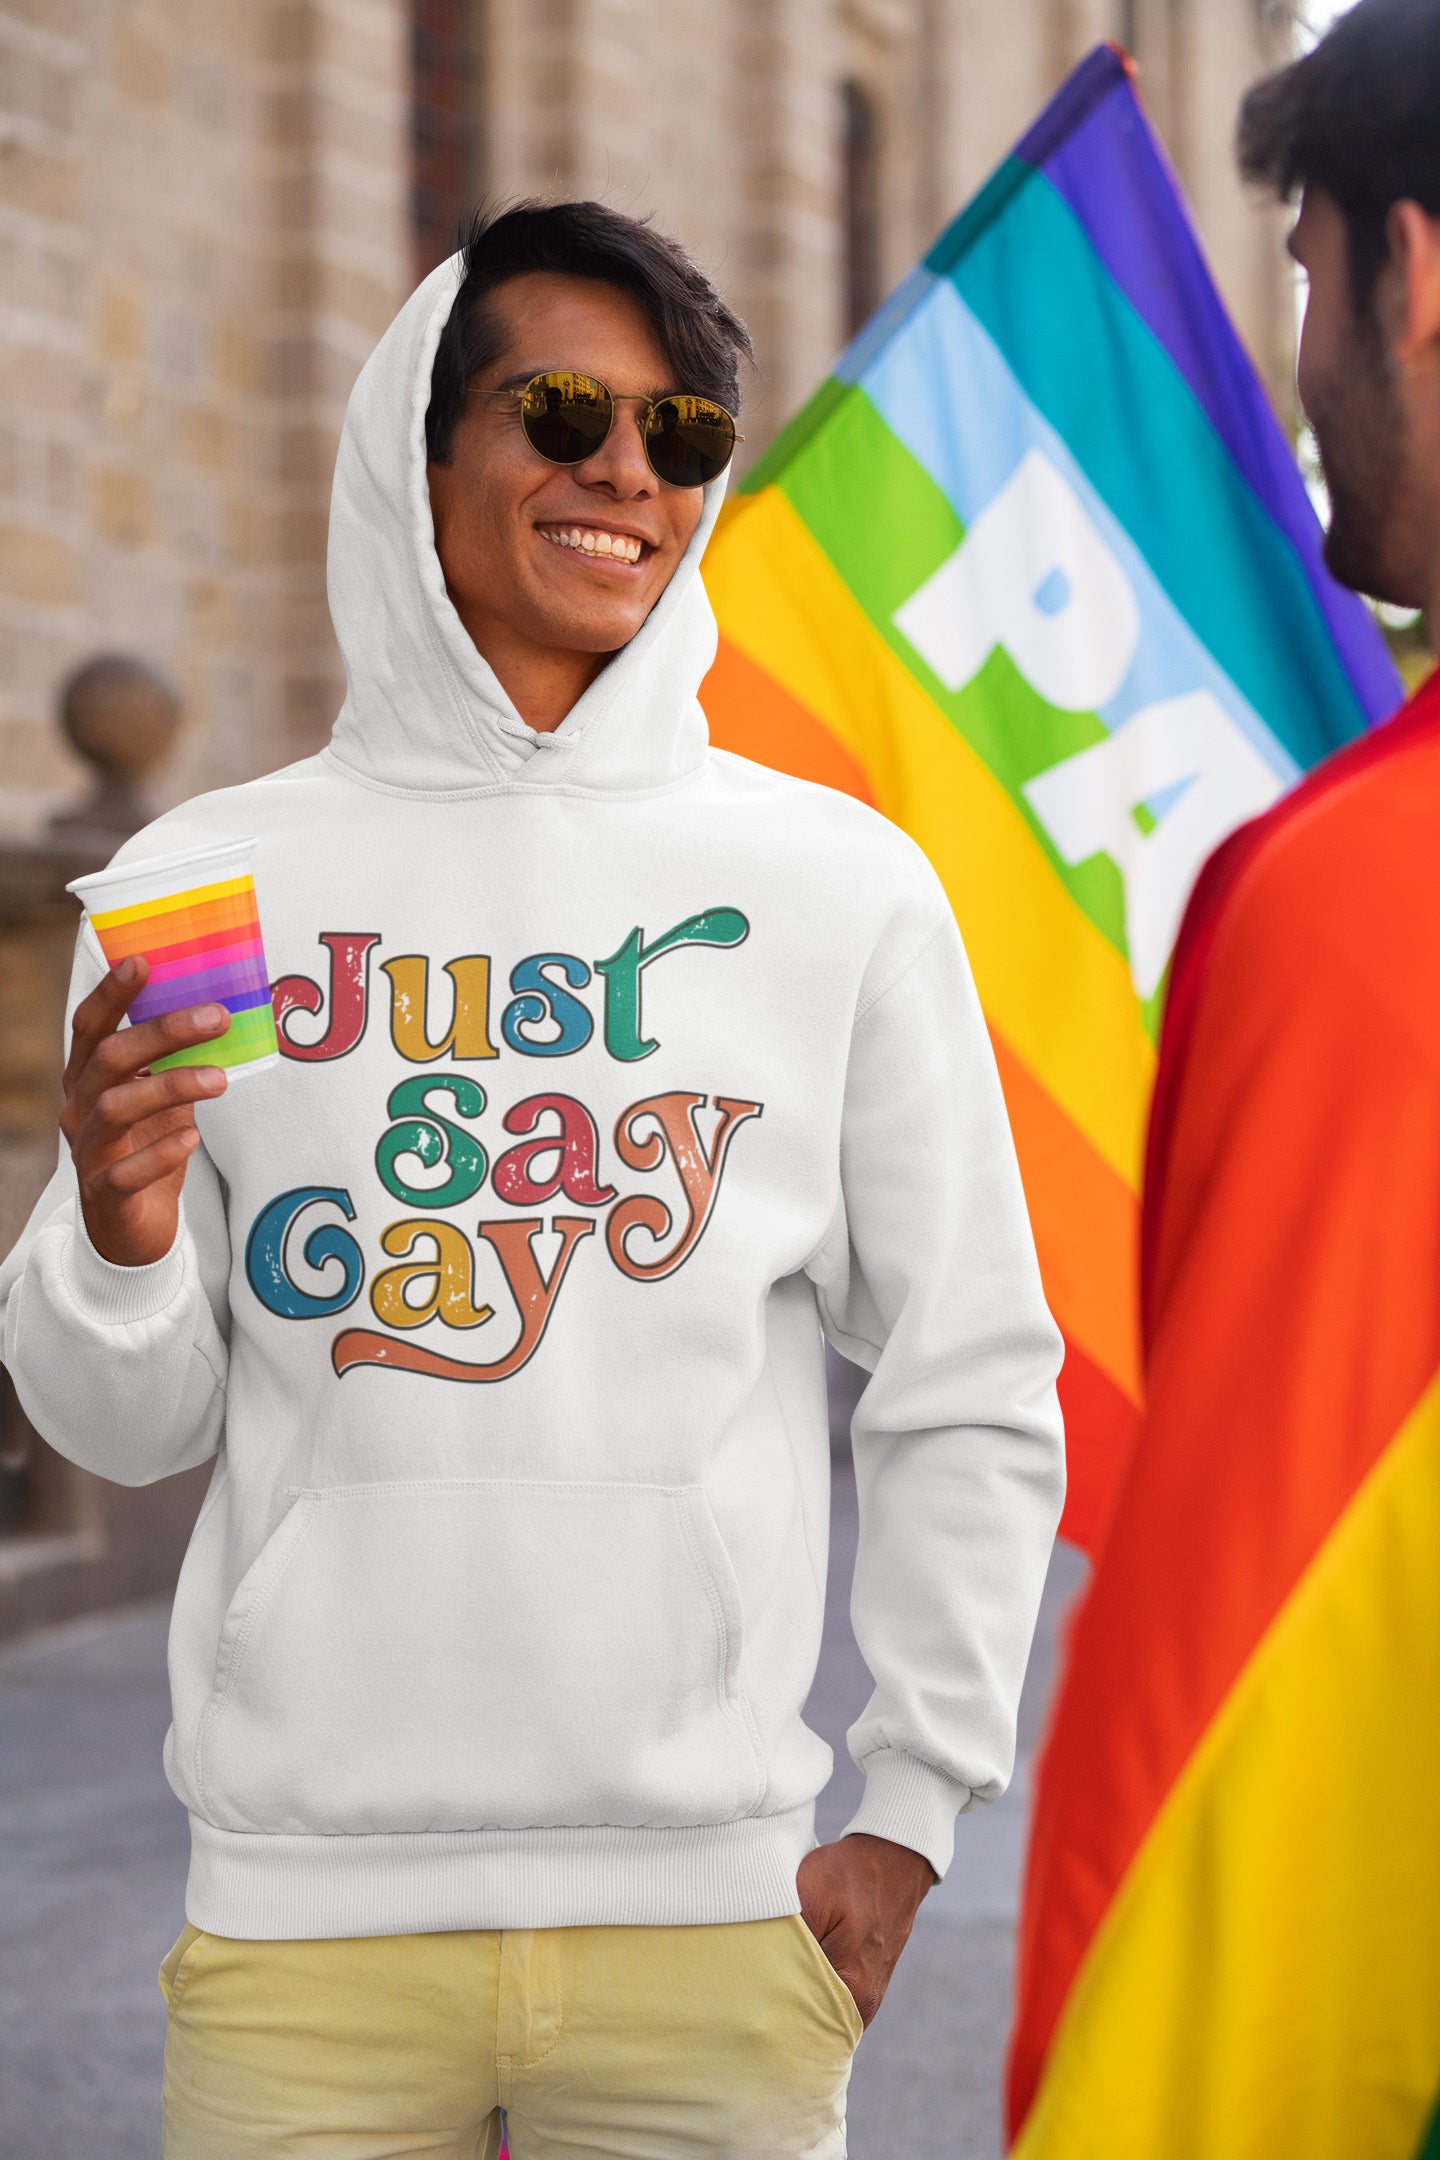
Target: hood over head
(423,710)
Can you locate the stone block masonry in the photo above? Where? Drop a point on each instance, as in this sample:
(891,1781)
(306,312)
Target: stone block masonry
(204,225)
(210,209)
(208,214)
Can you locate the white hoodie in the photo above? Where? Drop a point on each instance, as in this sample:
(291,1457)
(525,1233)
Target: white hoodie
(618,1068)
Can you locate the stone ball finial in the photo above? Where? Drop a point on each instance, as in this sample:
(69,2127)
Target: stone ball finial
(122,714)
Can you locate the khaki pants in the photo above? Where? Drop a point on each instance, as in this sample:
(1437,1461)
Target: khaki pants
(636,2043)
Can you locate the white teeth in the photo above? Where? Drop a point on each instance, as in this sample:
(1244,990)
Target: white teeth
(620,547)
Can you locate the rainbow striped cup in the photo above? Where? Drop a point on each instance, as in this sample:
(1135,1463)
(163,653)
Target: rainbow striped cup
(195,919)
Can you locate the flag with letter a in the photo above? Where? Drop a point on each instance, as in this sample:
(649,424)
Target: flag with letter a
(1036,574)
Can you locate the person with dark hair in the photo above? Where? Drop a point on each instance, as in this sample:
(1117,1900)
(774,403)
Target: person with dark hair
(1289,1447)
(704,340)
(617,1073)
(1355,125)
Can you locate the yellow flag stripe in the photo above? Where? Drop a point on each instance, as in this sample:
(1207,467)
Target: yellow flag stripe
(1267,1979)
(1057,989)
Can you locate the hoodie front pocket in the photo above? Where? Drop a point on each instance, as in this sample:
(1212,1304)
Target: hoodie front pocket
(487,1654)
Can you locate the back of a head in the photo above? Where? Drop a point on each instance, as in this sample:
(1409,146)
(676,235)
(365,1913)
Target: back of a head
(1359,118)
(702,337)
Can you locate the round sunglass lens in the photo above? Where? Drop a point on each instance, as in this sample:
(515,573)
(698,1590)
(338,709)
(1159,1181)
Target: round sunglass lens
(689,440)
(566,417)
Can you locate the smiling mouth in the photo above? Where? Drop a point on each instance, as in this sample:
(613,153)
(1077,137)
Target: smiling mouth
(591,540)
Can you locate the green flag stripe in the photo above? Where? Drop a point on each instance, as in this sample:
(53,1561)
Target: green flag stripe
(907,530)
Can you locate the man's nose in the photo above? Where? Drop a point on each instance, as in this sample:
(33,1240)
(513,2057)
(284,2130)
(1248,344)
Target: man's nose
(620,462)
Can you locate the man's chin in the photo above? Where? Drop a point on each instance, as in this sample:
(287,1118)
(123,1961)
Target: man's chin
(599,639)
(1348,559)
(1354,557)
(1362,445)
(602,626)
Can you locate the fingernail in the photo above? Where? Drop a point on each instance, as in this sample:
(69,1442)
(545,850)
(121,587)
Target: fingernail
(208,1016)
(211,1079)
(127,971)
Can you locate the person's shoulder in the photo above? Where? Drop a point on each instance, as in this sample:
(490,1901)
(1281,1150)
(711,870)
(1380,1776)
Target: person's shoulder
(240,812)
(843,863)
(1321,914)
(817,820)
(1353,852)
(1309,933)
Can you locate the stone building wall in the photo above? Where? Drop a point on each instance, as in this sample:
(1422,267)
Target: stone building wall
(1197,56)
(208,213)
(209,210)
(725,123)
(443,52)
(203,228)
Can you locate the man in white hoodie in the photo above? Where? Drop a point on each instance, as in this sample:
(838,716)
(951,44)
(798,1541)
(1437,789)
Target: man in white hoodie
(490,1648)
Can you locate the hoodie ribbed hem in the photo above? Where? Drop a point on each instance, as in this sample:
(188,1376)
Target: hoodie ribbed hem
(113,1295)
(276,1888)
(911,1804)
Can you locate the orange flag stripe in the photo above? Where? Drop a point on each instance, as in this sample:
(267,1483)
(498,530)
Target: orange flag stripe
(751,714)
(1086,1224)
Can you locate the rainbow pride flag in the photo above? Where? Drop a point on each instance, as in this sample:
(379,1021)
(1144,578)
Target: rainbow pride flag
(1230,1945)
(1035,573)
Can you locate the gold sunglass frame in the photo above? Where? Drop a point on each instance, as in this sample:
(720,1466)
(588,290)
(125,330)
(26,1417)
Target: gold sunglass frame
(523,391)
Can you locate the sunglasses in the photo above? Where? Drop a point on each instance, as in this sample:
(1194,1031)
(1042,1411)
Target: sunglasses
(566,417)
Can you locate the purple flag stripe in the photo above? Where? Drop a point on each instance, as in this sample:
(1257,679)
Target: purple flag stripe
(1109,171)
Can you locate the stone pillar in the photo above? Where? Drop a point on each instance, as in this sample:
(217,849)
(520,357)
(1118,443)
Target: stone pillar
(788,248)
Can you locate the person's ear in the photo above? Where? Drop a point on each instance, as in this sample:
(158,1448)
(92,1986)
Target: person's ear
(1414,238)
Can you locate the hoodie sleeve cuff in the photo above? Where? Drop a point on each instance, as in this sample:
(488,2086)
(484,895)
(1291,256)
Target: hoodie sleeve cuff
(113,1296)
(911,1804)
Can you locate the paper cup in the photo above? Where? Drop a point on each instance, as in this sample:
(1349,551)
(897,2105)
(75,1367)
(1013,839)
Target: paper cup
(195,919)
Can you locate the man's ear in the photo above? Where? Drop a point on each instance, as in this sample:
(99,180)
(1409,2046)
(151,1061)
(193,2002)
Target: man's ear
(1414,237)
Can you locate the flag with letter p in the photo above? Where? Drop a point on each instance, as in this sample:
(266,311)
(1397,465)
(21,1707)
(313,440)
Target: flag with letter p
(1036,574)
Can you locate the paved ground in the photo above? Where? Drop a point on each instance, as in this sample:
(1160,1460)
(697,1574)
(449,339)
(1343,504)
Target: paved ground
(92,1866)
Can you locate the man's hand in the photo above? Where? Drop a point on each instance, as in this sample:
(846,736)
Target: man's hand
(859,1898)
(131,1133)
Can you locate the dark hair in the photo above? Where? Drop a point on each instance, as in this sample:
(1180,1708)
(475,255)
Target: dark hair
(702,339)
(1359,117)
